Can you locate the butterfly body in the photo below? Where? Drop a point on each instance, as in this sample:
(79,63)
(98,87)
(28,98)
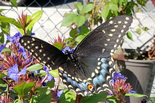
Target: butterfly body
(89,68)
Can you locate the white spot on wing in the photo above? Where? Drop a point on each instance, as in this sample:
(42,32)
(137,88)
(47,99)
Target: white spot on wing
(111,35)
(122,31)
(92,74)
(125,22)
(116,26)
(127,18)
(108,39)
(111,22)
(117,40)
(103,31)
(36,47)
(119,22)
(103,50)
(113,30)
(124,26)
(33,39)
(25,44)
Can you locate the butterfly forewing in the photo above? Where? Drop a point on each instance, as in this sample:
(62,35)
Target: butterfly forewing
(43,51)
(105,38)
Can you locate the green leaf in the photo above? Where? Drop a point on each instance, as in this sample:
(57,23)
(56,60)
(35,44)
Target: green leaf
(50,83)
(14,3)
(145,28)
(80,38)
(80,20)
(78,5)
(67,97)
(58,45)
(34,18)
(34,67)
(87,16)
(105,11)
(17,101)
(2,75)
(69,19)
(2,10)
(84,30)
(10,20)
(95,98)
(87,8)
(43,90)
(73,33)
(23,88)
(5,27)
(54,73)
(3,84)
(1,38)
(113,7)
(142,2)
(6,50)
(138,31)
(136,95)
(129,35)
(41,98)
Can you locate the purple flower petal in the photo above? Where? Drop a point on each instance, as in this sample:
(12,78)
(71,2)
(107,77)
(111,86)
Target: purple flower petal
(32,34)
(22,72)
(2,47)
(23,51)
(59,93)
(14,77)
(50,77)
(15,37)
(46,69)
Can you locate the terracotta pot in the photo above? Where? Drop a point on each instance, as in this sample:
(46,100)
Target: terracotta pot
(140,74)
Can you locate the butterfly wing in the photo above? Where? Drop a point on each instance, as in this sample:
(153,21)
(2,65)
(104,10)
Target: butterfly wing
(43,51)
(104,39)
(94,52)
(53,58)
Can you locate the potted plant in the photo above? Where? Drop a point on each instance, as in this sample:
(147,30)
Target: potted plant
(139,67)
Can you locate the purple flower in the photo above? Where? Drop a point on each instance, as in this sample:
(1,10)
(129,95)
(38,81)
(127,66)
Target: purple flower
(14,73)
(32,34)
(116,77)
(2,47)
(15,37)
(59,93)
(49,76)
(23,51)
(67,49)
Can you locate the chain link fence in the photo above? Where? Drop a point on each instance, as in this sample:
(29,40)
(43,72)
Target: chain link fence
(49,27)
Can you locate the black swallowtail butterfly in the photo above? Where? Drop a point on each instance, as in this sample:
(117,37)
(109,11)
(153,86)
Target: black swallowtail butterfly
(89,66)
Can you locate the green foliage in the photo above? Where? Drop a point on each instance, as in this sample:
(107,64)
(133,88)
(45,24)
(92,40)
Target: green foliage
(44,97)
(138,31)
(101,97)
(129,35)
(54,73)
(25,29)
(67,97)
(93,14)
(23,88)
(34,67)
(135,95)
(14,3)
